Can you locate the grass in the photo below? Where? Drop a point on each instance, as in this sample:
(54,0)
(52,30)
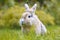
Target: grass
(16,34)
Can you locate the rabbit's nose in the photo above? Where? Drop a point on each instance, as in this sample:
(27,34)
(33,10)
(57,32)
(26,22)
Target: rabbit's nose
(21,21)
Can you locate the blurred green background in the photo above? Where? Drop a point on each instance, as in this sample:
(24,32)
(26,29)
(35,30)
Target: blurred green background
(48,11)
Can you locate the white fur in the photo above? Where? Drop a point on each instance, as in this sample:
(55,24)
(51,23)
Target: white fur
(27,7)
(39,27)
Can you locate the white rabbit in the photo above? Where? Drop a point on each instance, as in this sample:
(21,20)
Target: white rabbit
(29,18)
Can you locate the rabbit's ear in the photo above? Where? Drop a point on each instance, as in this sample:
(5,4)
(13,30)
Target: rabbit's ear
(26,6)
(34,7)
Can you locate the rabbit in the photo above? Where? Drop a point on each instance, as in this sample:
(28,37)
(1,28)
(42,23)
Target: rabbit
(29,18)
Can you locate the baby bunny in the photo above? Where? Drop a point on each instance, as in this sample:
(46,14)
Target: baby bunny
(29,18)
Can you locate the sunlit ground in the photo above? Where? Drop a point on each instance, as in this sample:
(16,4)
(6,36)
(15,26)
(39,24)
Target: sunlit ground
(15,34)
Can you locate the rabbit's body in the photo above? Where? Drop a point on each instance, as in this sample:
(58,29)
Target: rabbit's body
(29,18)
(39,27)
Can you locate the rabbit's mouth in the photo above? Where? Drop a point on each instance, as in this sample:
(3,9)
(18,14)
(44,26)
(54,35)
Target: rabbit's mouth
(26,23)
(23,22)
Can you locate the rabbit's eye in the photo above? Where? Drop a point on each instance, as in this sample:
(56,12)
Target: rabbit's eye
(29,16)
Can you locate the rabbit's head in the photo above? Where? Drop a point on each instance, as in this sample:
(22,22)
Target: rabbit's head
(27,16)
